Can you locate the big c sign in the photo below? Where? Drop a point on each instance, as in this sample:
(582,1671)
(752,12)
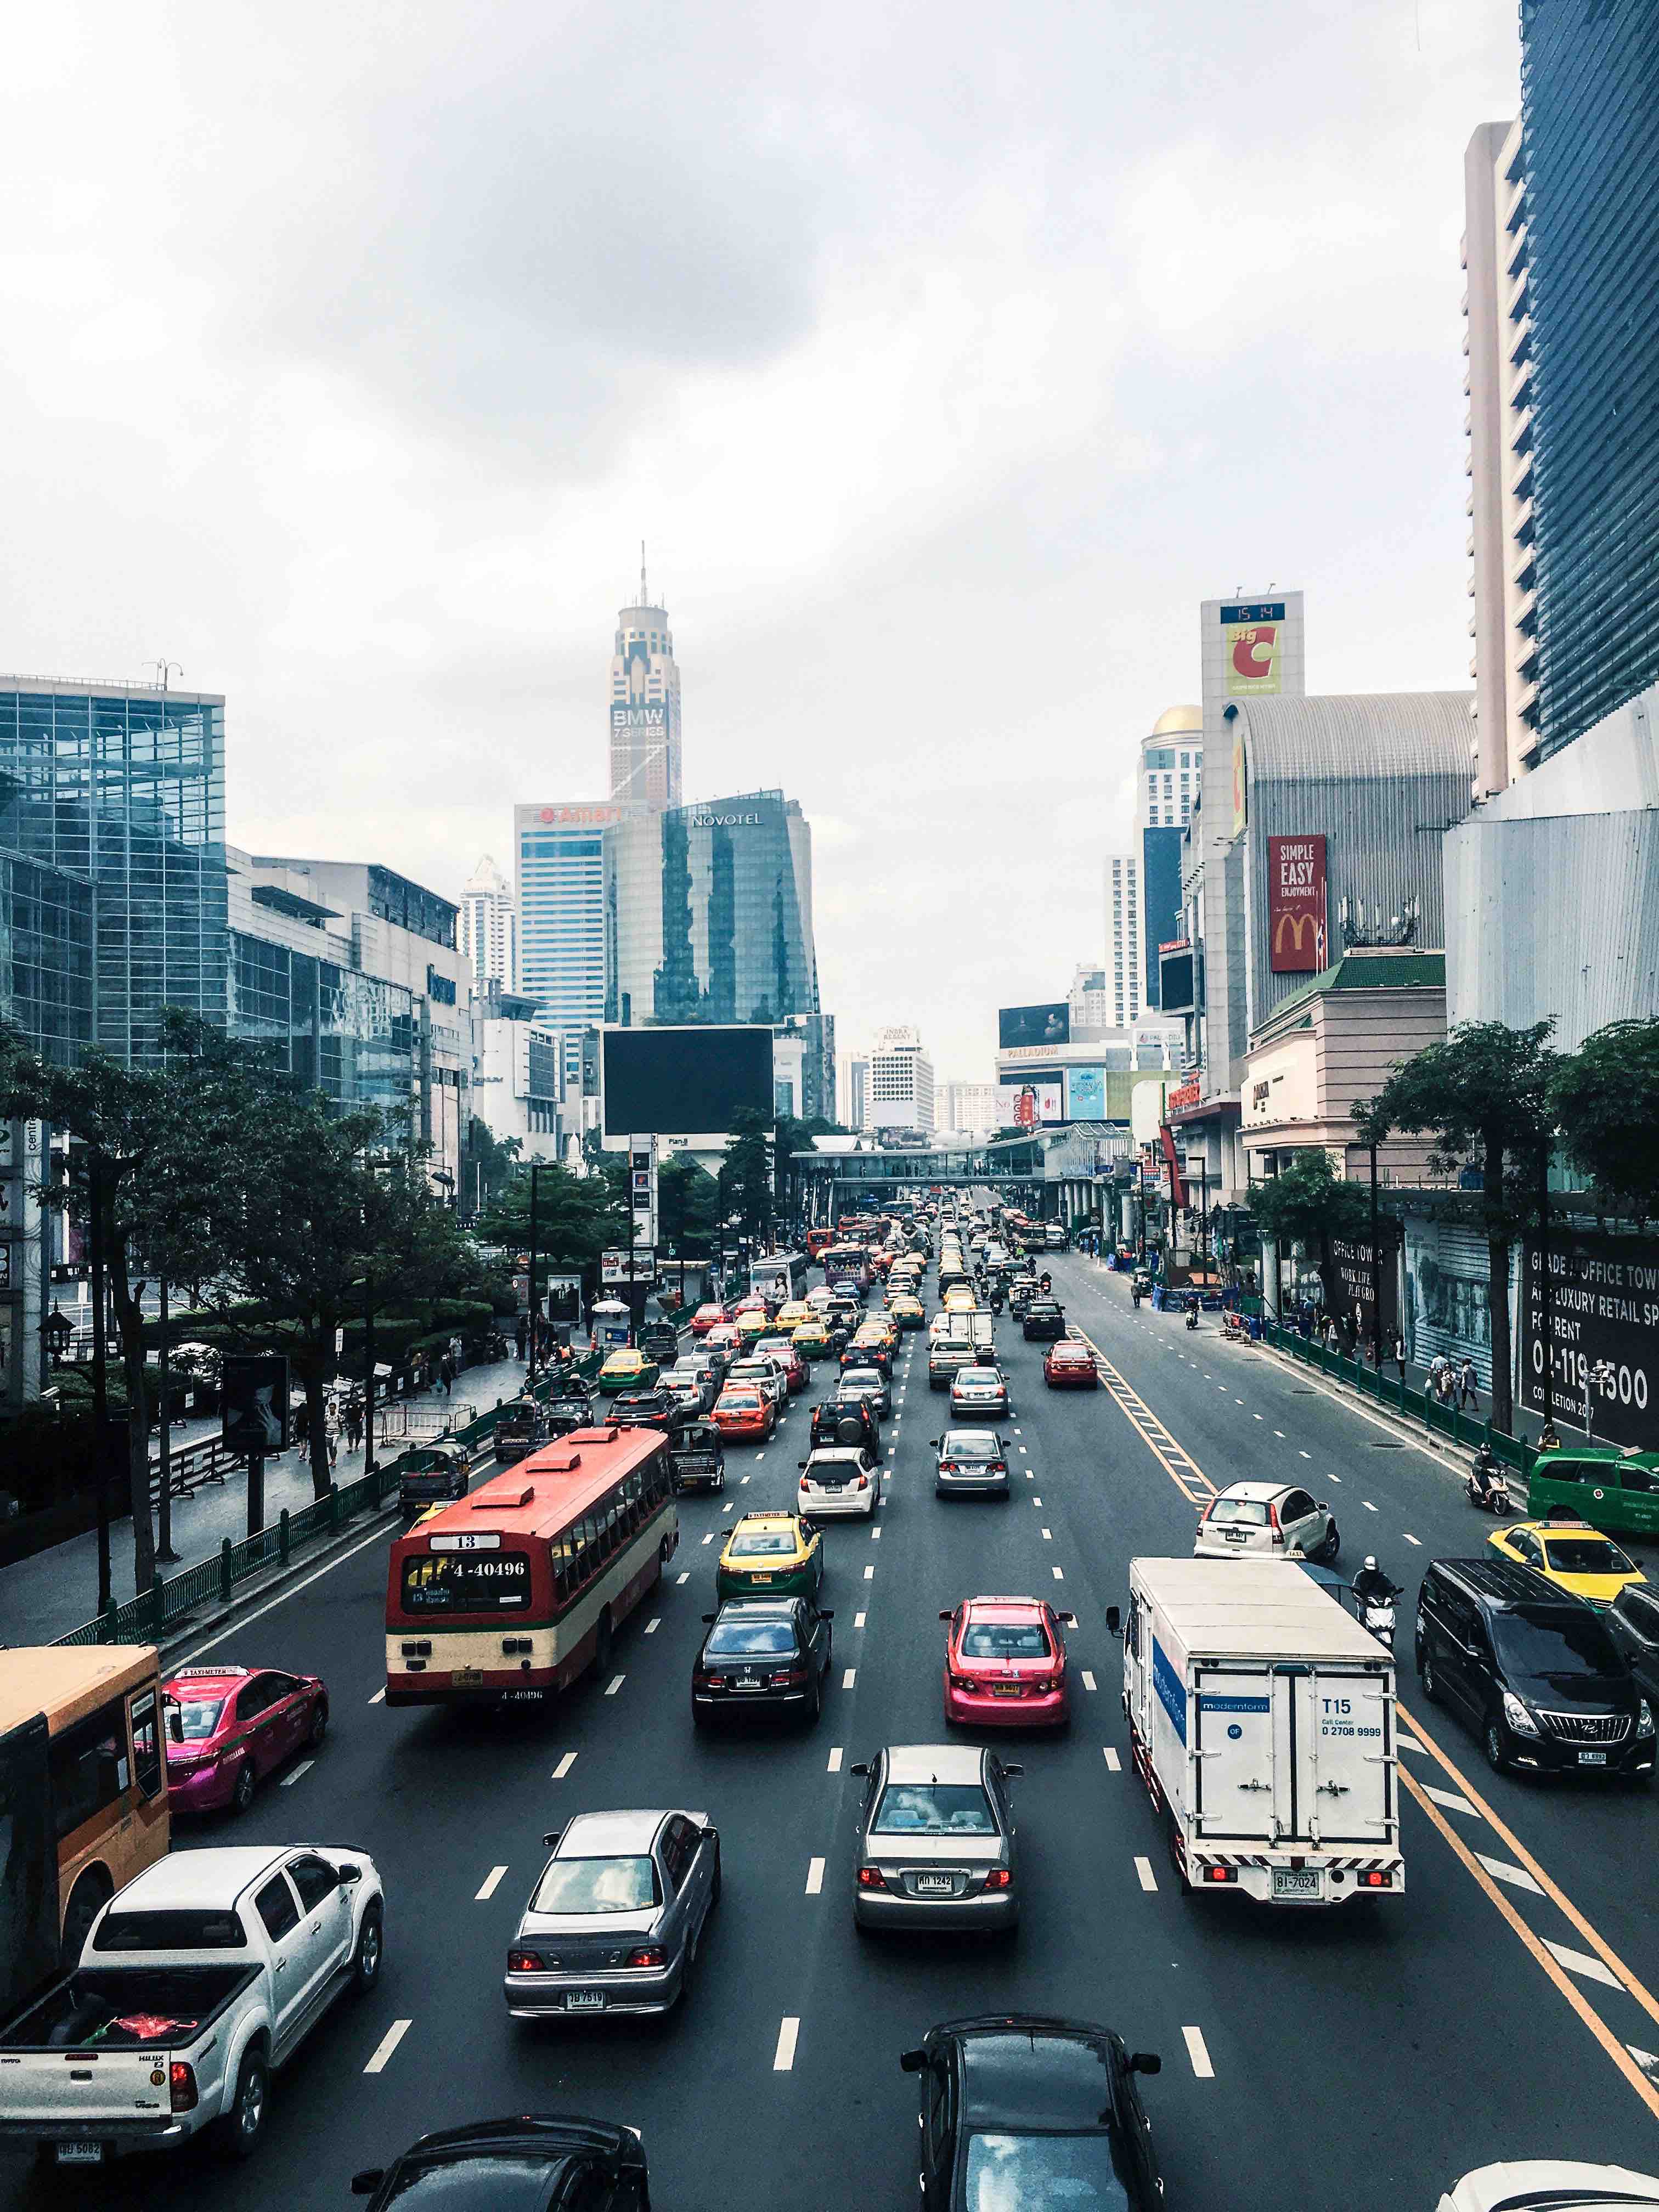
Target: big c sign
(1297,938)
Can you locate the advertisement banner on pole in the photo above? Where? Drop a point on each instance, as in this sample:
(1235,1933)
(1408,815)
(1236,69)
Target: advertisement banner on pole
(1298,938)
(616,1273)
(254,1403)
(1603,1308)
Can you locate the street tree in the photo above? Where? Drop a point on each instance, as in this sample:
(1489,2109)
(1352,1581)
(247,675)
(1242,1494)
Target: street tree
(577,1217)
(487,1163)
(1482,1096)
(1309,1204)
(745,1177)
(1605,1102)
(687,1203)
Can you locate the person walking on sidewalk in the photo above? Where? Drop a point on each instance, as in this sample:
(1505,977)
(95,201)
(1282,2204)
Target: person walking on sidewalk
(354,1425)
(1465,1382)
(1400,1357)
(446,1372)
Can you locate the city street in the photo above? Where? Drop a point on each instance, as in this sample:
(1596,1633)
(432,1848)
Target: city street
(1358,2057)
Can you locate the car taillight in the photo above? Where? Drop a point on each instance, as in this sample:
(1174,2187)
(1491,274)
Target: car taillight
(788,1678)
(871,1878)
(1376,1879)
(647,1956)
(999,1878)
(964,1682)
(705,1681)
(1220,1873)
(863,1483)
(1273,1515)
(181,2086)
(524,1962)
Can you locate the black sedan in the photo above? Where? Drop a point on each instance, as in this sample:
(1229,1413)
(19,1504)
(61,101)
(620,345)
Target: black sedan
(1019,2109)
(769,1653)
(846,1421)
(542,2162)
(867,1355)
(1044,1321)
(866,1383)
(657,1408)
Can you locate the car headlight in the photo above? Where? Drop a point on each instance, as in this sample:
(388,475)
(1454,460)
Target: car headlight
(1517,1715)
(1643,1717)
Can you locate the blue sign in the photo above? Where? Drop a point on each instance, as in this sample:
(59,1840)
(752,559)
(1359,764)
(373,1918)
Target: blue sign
(1233,1704)
(1171,1690)
(1086,1094)
(1234,1731)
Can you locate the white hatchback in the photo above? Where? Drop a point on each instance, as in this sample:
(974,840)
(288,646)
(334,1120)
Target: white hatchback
(838,1479)
(1275,1518)
(1553,2181)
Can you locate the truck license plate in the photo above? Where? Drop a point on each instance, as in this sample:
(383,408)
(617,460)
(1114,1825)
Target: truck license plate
(584,2001)
(80,2154)
(1288,1882)
(1592,1758)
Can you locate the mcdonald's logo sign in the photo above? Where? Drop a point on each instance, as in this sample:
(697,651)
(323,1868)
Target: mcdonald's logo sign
(1297,927)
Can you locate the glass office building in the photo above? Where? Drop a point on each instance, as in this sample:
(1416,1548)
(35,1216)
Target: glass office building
(116,794)
(709,914)
(349,1036)
(1590,86)
(561,869)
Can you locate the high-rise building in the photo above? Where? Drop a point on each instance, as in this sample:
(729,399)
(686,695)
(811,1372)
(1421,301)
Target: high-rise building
(1589,203)
(854,1099)
(1123,939)
(560,863)
(1171,763)
(1089,1001)
(900,1082)
(969,1109)
(645,707)
(709,914)
(487,931)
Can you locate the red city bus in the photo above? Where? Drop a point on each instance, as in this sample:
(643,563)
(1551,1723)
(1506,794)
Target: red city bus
(818,1240)
(510,1593)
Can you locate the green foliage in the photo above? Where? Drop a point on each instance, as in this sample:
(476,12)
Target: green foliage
(488,1165)
(1309,1204)
(1606,1101)
(577,1217)
(688,1203)
(745,1177)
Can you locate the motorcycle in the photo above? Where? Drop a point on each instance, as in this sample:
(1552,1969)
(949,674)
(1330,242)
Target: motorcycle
(1192,1317)
(1233,1327)
(1490,1496)
(1377,1616)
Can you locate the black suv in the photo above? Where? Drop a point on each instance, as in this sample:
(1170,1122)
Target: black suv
(1042,1319)
(1533,1669)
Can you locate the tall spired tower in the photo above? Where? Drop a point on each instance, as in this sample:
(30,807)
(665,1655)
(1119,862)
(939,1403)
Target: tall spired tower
(645,706)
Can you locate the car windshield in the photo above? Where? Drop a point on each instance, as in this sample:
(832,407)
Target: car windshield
(961,1447)
(1005,1639)
(597,1885)
(1070,2173)
(834,1467)
(1587,1555)
(186,1929)
(196,1718)
(933,1808)
(763,1543)
(478,2182)
(1243,1512)
(1535,1640)
(860,1378)
(741,1402)
(738,1638)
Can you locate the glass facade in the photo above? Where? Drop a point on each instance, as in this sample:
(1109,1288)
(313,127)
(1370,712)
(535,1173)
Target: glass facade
(561,871)
(707,917)
(45,956)
(1590,86)
(350,1036)
(121,793)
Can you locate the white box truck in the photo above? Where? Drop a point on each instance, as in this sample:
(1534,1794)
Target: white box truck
(1261,1721)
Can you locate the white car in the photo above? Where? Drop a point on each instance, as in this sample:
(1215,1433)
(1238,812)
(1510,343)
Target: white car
(1275,1518)
(979,1390)
(838,1479)
(763,1375)
(1553,2182)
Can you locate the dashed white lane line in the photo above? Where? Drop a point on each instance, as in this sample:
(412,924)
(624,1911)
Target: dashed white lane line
(1255,1416)
(870,1572)
(1059,1575)
(1278,1432)
(1198,2052)
(1023,1452)
(1517,1877)
(1238,1401)
(1582,1962)
(759,1457)
(834,1759)
(1369,1507)
(653,1625)
(388,2043)
(492,1882)
(614,1685)
(1088,1680)
(742,1479)
(1031,1474)
(303,1768)
(814,1877)
(783,2057)
(1334,1478)
(564,1766)
(681,1580)
(709,1538)
(726,1507)
(858,1620)
(1305,1455)
(849,1675)
(1114,1764)
(1451,1799)
(1036,1501)
(1047,1534)
(1144,1870)
(875,1535)
(1415,1542)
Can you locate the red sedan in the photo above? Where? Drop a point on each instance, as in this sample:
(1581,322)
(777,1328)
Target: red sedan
(741,1411)
(708,1317)
(227,1727)
(1068,1365)
(1004,1663)
(794,1367)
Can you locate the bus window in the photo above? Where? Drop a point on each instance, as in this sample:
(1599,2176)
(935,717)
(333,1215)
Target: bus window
(611,1536)
(146,1743)
(89,1767)
(587,1547)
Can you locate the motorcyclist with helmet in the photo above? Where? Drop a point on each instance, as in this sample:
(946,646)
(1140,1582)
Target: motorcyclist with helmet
(1372,1586)
(1486,1484)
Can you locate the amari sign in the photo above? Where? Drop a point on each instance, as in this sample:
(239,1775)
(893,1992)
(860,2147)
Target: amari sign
(1603,1324)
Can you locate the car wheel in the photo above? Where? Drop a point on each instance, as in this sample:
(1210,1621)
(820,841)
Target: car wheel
(1331,1546)
(244,2123)
(1493,1744)
(687,1973)
(318,1725)
(714,1885)
(367,1959)
(248,1781)
(817,1705)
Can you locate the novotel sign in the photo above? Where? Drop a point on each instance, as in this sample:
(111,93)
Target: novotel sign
(725,820)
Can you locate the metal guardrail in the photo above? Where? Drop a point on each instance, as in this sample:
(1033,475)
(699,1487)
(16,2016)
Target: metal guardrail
(1399,1397)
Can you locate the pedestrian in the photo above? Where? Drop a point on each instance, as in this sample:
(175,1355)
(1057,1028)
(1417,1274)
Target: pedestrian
(1465,1382)
(446,1372)
(354,1425)
(1400,1357)
(522,1333)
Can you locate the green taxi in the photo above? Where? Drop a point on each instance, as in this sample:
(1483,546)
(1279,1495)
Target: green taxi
(1614,1491)
(771,1555)
(627,1369)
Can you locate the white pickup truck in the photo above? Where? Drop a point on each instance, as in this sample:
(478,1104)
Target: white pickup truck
(196,1982)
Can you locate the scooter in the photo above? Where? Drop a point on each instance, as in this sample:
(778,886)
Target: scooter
(1192,1317)
(1378,1617)
(1491,1497)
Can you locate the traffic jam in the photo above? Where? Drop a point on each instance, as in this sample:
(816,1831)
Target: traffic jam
(1258,1699)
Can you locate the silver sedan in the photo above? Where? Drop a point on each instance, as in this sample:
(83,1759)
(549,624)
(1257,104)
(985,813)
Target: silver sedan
(978,1391)
(617,1916)
(936,1840)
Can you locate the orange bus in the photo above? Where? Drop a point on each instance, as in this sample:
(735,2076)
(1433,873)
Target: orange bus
(510,1593)
(102,1705)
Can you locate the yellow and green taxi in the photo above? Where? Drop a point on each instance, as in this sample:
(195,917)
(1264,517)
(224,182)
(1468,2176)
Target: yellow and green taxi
(752,1325)
(810,1338)
(908,1312)
(960,1300)
(1570,1554)
(791,1316)
(770,1555)
(879,1328)
(626,1369)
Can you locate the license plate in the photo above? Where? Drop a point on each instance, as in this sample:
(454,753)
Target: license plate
(748,1681)
(467,1677)
(1235,1536)
(1004,1689)
(760,1579)
(1592,1758)
(828,1485)
(934,1885)
(1288,1882)
(584,2001)
(80,2154)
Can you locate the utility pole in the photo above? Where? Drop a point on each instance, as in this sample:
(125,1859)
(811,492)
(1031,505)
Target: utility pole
(165,1554)
(1376,1267)
(530,1292)
(100,1353)
(1544,1315)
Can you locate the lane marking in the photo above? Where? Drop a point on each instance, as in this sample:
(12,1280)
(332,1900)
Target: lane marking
(1410,1539)
(783,2057)
(858,1620)
(814,1877)
(875,1535)
(652,1626)
(1410,1743)
(1280,1433)
(378,1698)
(564,1766)
(848,1677)
(1369,1507)
(1305,1455)
(1047,1534)
(1198,2052)
(1450,1800)
(834,1759)
(1088,1680)
(1144,1870)
(388,2043)
(870,1572)
(680,1580)
(742,1479)
(1518,1878)
(304,1767)
(1114,1764)
(377,1536)
(1036,1501)
(614,1685)
(709,1538)
(1059,1575)
(492,1882)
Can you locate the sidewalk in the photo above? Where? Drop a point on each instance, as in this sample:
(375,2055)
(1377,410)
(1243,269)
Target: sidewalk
(45,1597)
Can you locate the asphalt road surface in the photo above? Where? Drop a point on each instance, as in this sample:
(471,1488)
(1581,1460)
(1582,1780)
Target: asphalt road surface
(1357,2058)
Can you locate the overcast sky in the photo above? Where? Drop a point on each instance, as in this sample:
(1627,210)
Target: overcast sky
(946,356)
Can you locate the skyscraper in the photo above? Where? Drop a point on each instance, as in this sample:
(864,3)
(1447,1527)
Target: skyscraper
(487,933)
(561,868)
(1171,761)
(645,707)
(1123,939)
(900,1095)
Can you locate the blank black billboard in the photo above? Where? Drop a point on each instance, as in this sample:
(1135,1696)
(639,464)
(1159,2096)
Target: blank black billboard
(686,1080)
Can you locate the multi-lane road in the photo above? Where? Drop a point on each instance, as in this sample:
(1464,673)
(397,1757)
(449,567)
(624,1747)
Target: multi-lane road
(1356,2058)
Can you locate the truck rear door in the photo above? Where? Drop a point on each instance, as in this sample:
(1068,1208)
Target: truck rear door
(1346,1794)
(1235,1787)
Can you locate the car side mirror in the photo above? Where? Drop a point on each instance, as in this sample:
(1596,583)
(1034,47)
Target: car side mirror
(1323,1507)
(709,1617)
(860,1766)
(910,2062)
(824,1614)
(366,2183)
(1114,1621)
(1069,1620)
(1009,1772)
(348,1872)
(1144,2061)
(551,1837)
(936,1443)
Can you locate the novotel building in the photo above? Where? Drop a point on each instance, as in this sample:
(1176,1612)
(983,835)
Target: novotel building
(709,914)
